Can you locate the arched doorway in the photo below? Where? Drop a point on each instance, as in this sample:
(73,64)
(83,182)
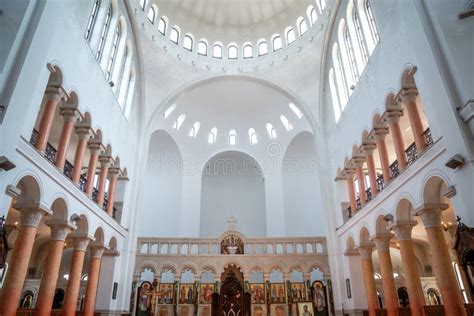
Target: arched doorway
(58,299)
(231,298)
(403,297)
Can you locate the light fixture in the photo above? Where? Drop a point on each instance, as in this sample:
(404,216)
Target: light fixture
(6,164)
(447,225)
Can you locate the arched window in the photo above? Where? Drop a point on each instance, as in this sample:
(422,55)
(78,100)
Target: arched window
(321,5)
(212,136)
(188,42)
(217,50)
(129,93)
(152,13)
(371,20)
(276,42)
(232,137)
(360,36)
(103,35)
(334,97)
(252,136)
(162,25)
(312,16)
(341,83)
(248,50)
(179,121)
(113,53)
(271,131)
(457,272)
(195,129)
(169,110)
(92,20)
(262,47)
(125,58)
(233,51)
(290,35)
(174,34)
(302,27)
(351,55)
(143,4)
(286,123)
(295,110)
(202,47)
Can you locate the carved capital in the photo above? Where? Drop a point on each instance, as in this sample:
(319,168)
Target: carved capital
(59,229)
(31,216)
(358,161)
(83,132)
(366,250)
(81,242)
(94,147)
(403,230)
(105,160)
(393,116)
(68,113)
(379,133)
(54,93)
(114,172)
(97,251)
(382,241)
(408,95)
(431,217)
(368,149)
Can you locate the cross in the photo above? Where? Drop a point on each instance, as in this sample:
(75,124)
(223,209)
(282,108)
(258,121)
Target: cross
(231,222)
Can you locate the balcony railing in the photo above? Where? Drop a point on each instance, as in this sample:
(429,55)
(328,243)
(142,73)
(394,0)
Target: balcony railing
(95,192)
(68,169)
(82,183)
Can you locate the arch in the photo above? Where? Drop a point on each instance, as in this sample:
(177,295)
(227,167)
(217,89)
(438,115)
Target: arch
(99,236)
(175,34)
(209,268)
(56,78)
(202,47)
(364,235)
(247,50)
(82,225)
(277,43)
(312,15)
(188,41)
(169,267)
(30,191)
(290,35)
(381,225)
(408,77)
(113,243)
(217,50)
(404,210)
(262,47)
(152,13)
(148,264)
(232,51)
(60,209)
(350,244)
(433,190)
(163,25)
(301,25)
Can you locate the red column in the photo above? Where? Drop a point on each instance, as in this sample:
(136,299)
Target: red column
(92,280)
(84,134)
(104,170)
(69,115)
(53,96)
(383,153)
(393,120)
(369,282)
(13,286)
(75,274)
(369,157)
(59,232)
(408,97)
(359,162)
(350,189)
(91,169)
(114,173)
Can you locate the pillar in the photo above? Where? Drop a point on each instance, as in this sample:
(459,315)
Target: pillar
(382,243)
(83,133)
(393,120)
(365,251)
(13,286)
(53,97)
(412,276)
(91,169)
(359,162)
(104,171)
(75,274)
(93,279)
(114,173)
(380,134)
(408,97)
(441,262)
(59,232)
(368,150)
(351,190)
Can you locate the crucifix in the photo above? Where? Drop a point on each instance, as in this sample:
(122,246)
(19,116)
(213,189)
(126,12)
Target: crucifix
(231,223)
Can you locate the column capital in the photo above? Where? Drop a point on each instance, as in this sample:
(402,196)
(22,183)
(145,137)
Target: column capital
(382,241)
(368,148)
(97,250)
(83,132)
(349,173)
(351,253)
(59,229)
(54,93)
(114,172)
(408,95)
(94,146)
(365,250)
(111,253)
(105,160)
(69,113)
(379,133)
(393,116)
(403,229)
(31,215)
(431,215)
(81,242)
(358,161)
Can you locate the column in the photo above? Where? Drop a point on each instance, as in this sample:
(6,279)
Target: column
(91,169)
(408,97)
(83,133)
(114,173)
(13,286)
(53,97)
(69,116)
(350,188)
(59,232)
(365,251)
(393,120)
(380,134)
(75,274)
(104,170)
(382,243)
(96,252)
(441,262)
(412,276)
(368,150)
(359,162)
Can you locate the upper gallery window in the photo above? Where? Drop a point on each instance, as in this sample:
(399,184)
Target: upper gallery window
(286,123)
(295,110)
(113,54)
(188,42)
(103,35)
(162,25)
(195,129)
(277,42)
(252,136)
(248,50)
(152,13)
(217,50)
(262,48)
(290,35)
(302,27)
(174,34)
(169,110)
(92,20)
(212,136)
(233,51)
(179,121)
(271,131)
(202,47)
(232,137)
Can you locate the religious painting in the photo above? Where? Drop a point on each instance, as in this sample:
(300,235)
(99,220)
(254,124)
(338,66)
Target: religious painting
(205,293)
(433,297)
(298,292)
(305,309)
(257,293)
(186,293)
(166,293)
(144,298)
(319,297)
(277,293)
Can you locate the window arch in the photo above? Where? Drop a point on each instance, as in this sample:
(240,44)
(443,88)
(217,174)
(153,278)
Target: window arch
(360,36)
(302,26)
(351,55)
(321,4)
(371,20)
(312,15)
(169,110)
(126,58)
(202,47)
(188,42)
(195,129)
(103,35)
(232,137)
(152,12)
(179,121)
(174,34)
(352,39)
(277,43)
(248,50)
(286,123)
(253,136)
(341,83)
(162,25)
(296,110)
(217,50)
(262,47)
(113,53)
(290,35)
(334,97)
(212,136)
(232,51)
(271,131)
(92,20)
(130,93)
(143,4)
